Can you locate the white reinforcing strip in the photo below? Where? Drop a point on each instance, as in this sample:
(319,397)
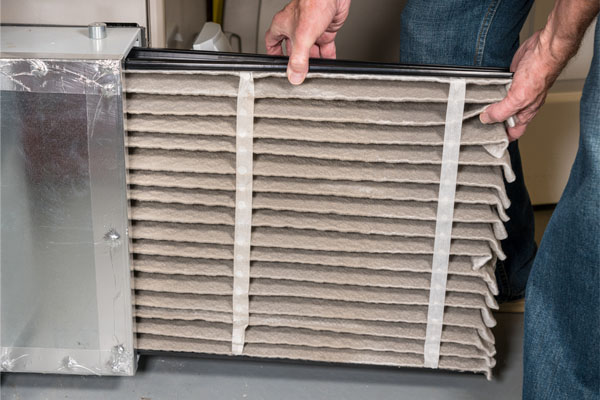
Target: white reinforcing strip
(443,226)
(243,211)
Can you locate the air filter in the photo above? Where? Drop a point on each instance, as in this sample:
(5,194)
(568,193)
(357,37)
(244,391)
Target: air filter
(356,218)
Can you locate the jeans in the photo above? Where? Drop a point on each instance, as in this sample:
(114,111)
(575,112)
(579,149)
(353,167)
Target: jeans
(562,308)
(479,33)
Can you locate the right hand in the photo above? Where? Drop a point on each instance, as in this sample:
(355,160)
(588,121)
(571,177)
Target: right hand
(309,28)
(534,73)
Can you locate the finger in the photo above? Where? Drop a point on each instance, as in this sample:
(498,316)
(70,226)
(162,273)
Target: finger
(298,62)
(499,112)
(327,50)
(304,39)
(314,51)
(516,132)
(274,41)
(274,48)
(277,33)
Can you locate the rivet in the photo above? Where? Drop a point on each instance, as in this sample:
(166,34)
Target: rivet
(113,237)
(70,362)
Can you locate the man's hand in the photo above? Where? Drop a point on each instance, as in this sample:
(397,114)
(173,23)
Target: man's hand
(539,61)
(534,74)
(308,28)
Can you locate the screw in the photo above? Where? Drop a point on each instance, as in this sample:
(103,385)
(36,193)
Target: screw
(97,30)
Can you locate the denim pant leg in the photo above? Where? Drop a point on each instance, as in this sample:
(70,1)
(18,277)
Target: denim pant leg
(562,308)
(480,33)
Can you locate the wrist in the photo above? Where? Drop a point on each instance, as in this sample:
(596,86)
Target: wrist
(555,49)
(561,36)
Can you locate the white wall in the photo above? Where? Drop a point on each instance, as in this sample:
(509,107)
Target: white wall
(72,12)
(170,23)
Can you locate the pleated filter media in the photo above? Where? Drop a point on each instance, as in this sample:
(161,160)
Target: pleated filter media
(305,222)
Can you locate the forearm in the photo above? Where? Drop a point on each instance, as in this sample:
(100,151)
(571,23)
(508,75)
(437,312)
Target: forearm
(567,23)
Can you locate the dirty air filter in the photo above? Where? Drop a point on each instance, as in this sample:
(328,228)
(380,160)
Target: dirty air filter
(309,222)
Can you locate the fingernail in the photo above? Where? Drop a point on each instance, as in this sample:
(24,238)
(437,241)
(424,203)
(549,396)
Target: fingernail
(484,118)
(295,78)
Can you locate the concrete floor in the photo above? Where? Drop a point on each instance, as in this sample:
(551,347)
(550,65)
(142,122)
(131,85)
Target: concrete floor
(172,377)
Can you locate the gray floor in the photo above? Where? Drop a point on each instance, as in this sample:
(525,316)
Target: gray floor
(183,378)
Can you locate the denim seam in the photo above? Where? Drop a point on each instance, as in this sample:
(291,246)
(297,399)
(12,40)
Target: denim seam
(483,31)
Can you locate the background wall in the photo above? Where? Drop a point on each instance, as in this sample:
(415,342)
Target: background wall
(170,23)
(72,12)
(372,31)
(184,20)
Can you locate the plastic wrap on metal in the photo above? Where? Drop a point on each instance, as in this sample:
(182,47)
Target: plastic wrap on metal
(66,289)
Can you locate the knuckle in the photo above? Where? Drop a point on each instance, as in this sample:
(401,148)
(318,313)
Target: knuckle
(298,62)
(516,101)
(278,19)
(269,34)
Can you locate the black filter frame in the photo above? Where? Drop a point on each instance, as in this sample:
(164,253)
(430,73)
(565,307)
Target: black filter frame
(141,58)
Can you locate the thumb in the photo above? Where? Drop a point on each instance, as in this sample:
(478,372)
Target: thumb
(298,63)
(501,111)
